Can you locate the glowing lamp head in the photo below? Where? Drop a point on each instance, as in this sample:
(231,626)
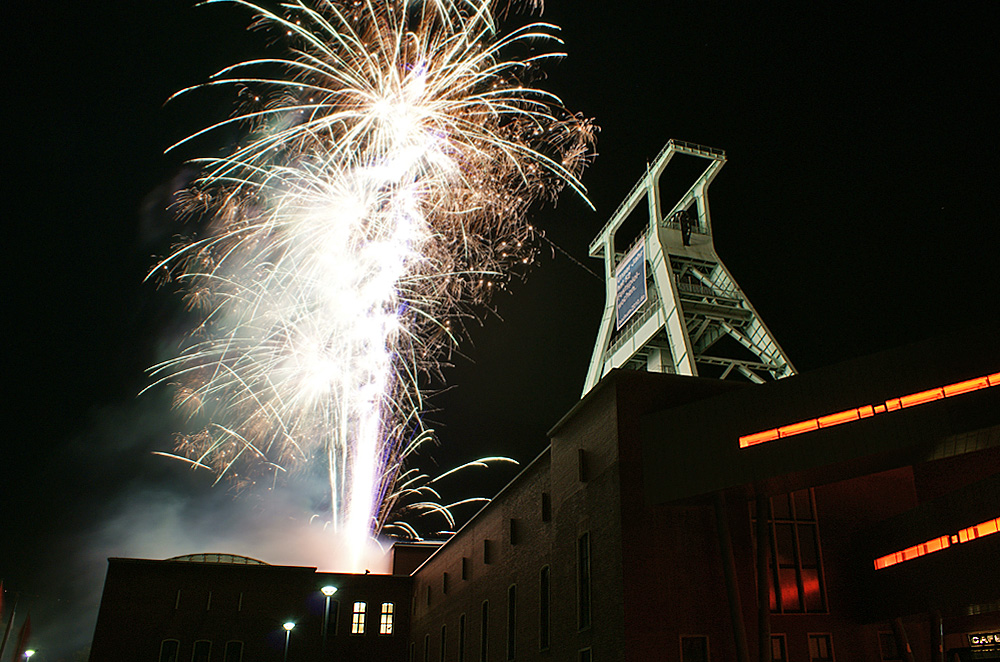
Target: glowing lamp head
(328,590)
(288,626)
(28,653)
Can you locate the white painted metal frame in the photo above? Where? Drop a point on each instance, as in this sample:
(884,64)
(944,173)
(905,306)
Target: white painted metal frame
(693,299)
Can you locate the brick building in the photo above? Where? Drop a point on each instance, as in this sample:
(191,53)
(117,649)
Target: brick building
(639,533)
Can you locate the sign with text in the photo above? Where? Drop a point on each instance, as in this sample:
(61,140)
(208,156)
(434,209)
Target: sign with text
(630,283)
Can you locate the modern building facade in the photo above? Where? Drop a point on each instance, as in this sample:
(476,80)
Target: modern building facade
(849,513)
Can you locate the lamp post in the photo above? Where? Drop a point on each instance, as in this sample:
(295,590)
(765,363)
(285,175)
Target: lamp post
(327,591)
(288,633)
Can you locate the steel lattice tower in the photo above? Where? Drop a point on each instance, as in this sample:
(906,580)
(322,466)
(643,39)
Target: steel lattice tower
(681,311)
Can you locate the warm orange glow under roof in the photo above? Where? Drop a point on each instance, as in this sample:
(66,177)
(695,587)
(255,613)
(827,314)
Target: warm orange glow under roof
(867,411)
(989,527)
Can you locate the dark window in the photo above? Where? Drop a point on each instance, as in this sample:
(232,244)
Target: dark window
(778,651)
(169,649)
(484,634)
(583,580)
(694,648)
(465,567)
(208,603)
(546,507)
(234,651)
(444,582)
(427,647)
(428,595)
(202,650)
(513,531)
(586,655)
(887,646)
(444,638)
(543,609)
(511,621)
(486,551)
(795,559)
(820,648)
(413,651)
(334,617)
(461,638)
(581,464)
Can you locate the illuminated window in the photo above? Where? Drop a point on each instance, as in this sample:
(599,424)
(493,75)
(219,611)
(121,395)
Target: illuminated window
(202,650)
(484,638)
(694,648)
(888,650)
(583,580)
(795,560)
(511,621)
(820,648)
(461,638)
(385,620)
(358,618)
(169,649)
(779,652)
(234,652)
(543,609)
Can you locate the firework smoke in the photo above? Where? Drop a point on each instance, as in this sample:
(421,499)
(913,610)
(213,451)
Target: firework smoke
(380,194)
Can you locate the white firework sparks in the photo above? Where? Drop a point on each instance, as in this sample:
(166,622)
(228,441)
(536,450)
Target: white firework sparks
(381,191)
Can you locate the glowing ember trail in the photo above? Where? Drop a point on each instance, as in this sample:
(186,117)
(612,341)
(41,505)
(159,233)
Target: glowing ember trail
(381,191)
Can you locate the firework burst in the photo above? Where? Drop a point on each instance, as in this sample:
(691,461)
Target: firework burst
(380,193)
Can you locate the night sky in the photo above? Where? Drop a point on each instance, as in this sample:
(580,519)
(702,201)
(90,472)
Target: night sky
(857,212)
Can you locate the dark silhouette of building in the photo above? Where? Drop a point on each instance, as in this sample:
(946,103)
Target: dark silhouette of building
(864,496)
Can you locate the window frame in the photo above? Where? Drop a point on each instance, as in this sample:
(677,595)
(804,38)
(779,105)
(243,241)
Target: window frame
(386,619)
(194,649)
(799,525)
(511,622)
(225,651)
(829,641)
(544,607)
(584,574)
(358,617)
(177,649)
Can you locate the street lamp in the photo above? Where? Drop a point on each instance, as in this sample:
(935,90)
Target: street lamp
(28,653)
(327,591)
(288,633)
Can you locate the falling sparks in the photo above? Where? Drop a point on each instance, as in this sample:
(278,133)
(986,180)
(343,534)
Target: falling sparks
(380,194)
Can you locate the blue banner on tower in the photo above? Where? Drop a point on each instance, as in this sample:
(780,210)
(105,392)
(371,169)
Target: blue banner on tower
(630,283)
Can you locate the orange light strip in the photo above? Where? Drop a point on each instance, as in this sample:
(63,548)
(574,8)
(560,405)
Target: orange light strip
(866,411)
(981,530)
